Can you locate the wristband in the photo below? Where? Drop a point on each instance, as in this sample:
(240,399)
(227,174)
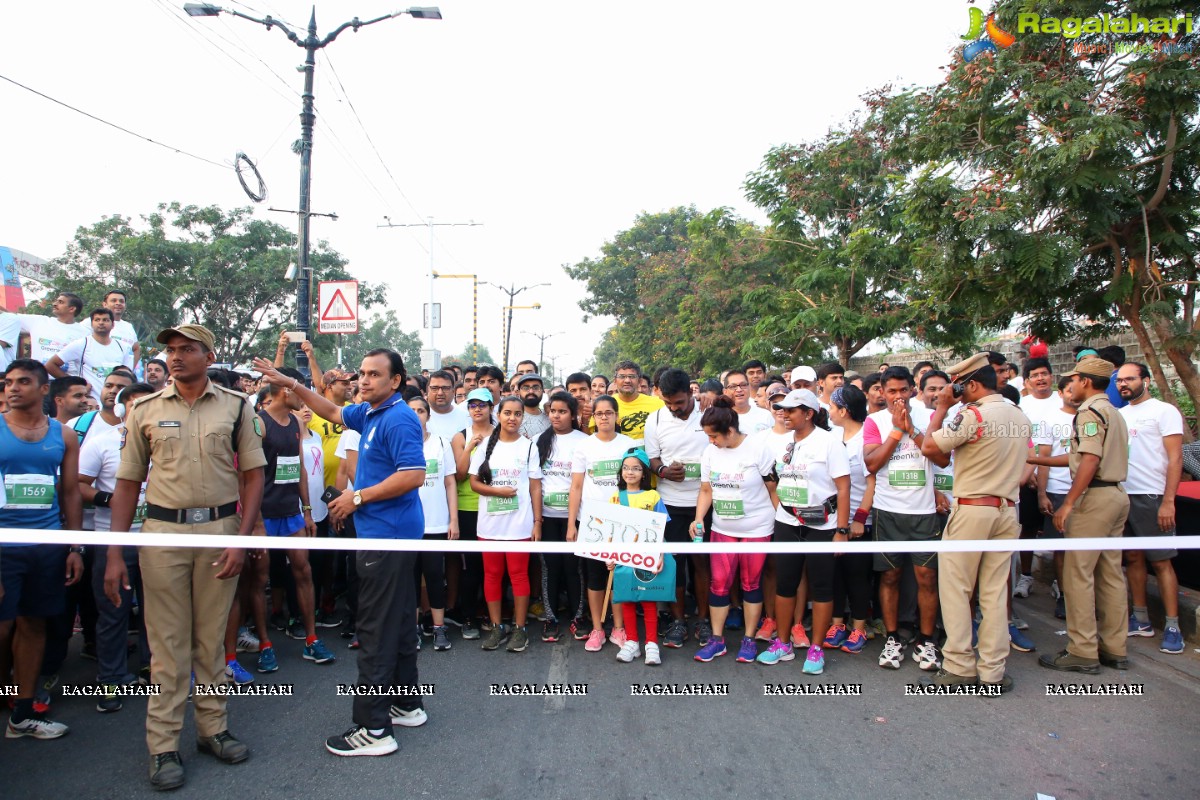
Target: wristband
(102,499)
(860,516)
(893,435)
(661,469)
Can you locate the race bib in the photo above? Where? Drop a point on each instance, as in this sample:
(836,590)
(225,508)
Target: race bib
(793,494)
(139,514)
(691,470)
(29,492)
(287,469)
(605,470)
(502,505)
(906,478)
(556,499)
(943,482)
(729,508)
(431,466)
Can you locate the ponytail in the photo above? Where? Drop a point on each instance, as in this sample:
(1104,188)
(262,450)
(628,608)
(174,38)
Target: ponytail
(485,470)
(820,418)
(545,443)
(721,416)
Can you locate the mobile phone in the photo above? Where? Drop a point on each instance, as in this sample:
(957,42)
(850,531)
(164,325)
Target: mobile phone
(331,494)
(296,336)
(957,389)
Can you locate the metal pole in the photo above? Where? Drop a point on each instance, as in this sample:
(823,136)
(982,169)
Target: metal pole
(304,276)
(475,319)
(508,336)
(431,345)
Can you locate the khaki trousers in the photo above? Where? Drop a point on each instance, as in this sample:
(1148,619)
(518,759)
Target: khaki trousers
(958,574)
(1093,582)
(186,609)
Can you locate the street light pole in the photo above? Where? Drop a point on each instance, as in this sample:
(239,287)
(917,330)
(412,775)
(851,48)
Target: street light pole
(507,331)
(311,44)
(512,292)
(542,337)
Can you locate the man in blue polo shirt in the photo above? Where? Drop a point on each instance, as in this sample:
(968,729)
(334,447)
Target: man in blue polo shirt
(385,505)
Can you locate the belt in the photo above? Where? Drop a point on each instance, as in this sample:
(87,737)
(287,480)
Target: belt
(994,502)
(190,516)
(1103,484)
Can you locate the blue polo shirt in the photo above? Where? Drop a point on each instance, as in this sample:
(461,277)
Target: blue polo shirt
(391,442)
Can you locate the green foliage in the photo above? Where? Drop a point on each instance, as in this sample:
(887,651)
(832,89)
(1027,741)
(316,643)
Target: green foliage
(382,330)
(467,357)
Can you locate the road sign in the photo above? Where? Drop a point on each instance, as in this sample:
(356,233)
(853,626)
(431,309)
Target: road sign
(437,315)
(337,303)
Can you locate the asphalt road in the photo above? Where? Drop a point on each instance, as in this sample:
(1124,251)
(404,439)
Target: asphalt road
(609,743)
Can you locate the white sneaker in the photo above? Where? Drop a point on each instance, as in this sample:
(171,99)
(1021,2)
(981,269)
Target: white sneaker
(893,653)
(408,719)
(629,651)
(1055,592)
(653,659)
(927,657)
(1018,623)
(1024,586)
(37,728)
(247,642)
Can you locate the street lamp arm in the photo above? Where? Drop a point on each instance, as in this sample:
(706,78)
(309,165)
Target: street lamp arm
(355,23)
(269,21)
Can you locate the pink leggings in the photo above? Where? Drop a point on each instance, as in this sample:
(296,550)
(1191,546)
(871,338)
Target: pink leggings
(649,618)
(493,574)
(748,566)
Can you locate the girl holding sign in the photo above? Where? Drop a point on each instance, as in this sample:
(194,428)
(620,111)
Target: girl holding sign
(556,449)
(737,479)
(814,506)
(439,502)
(634,491)
(508,479)
(595,468)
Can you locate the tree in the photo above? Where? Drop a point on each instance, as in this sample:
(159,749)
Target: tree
(468,357)
(1059,178)
(224,270)
(382,330)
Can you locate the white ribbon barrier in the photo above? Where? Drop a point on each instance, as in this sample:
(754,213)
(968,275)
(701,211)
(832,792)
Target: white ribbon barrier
(95,539)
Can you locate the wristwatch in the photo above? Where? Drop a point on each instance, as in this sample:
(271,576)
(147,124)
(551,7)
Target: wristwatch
(77,548)
(842,531)
(358,497)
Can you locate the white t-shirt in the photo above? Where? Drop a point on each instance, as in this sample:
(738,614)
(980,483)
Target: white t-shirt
(99,458)
(677,441)
(439,462)
(905,484)
(97,426)
(313,460)
(755,420)
(122,331)
(1038,410)
(600,463)
(808,480)
(446,425)
(94,361)
(10,332)
(741,505)
(858,470)
(556,473)
(1149,421)
(512,464)
(1057,432)
(347,442)
(48,336)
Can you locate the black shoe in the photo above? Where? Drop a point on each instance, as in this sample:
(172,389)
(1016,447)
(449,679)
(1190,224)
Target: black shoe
(166,771)
(327,619)
(88,651)
(278,622)
(110,701)
(550,632)
(348,630)
(296,630)
(455,617)
(1005,684)
(1066,662)
(580,629)
(1060,608)
(224,746)
(1114,662)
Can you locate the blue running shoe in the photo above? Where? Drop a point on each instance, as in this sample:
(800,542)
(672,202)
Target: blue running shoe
(778,651)
(1140,628)
(736,620)
(1172,641)
(814,664)
(748,651)
(266,660)
(836,636)
(318,652)
(1019,640)
(714,649)
(855,642)
(237,673)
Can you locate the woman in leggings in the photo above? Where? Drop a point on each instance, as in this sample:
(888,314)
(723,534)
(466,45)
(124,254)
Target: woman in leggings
(853,571)
(737,480)
(439,502)
(508,479)
(814,506)
(556,449)
(479,408)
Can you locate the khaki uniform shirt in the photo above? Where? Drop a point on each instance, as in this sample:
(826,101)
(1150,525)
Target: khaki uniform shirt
(192,447)
(1101,430)
(990,439)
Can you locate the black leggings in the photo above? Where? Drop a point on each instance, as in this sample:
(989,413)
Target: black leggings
(559,566)
(852,575)
(789,567)
(596,573)
(433,566)
(471,580)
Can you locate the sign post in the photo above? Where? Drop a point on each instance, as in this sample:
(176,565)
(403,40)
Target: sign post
(337,307)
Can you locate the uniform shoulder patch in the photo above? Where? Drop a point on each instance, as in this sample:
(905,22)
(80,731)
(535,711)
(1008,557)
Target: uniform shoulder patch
(955,423)
(258,426)
(1090,429)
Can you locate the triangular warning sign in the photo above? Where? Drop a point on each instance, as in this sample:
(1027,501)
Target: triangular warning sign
(338,309)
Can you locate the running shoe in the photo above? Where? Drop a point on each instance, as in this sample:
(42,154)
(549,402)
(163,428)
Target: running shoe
(1060,608)
(348,631)
(469,631)
(736,620)
(519,639)
(836,636)
(267,661)
(581,630)
(358,741)
(36,726)
(778,651)
(327,619)
(296,630)
(454,616)
(354,645)
(110,701)
(893,653)
(1172,641)
(799,637)
(494,638)
(278,621)
(1019,641)
(1018,623)
(441,638)
(748,652)
(426,625)
(676,634)
(247,642)
(237,673)
(653,656)
(1055,592)
(814,662)
(629,651)
(714,649)
(767,630)
(704,632)
(855,642)
(418,637)
(876,628)
(318,653)
(550,632)
(41,692)
(927,656)
(595,641)
(410,718)
(1140,628)
(618,637)
(1024,586)
(538,609)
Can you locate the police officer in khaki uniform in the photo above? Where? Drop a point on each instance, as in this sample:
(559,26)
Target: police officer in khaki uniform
(990,442)
(1096,506)
(191,430)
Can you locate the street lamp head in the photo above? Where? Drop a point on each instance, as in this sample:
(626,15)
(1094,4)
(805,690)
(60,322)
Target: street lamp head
(421,12)
(201,9)
(537,305)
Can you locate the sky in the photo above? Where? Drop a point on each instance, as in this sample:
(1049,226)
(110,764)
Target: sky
(554,125)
